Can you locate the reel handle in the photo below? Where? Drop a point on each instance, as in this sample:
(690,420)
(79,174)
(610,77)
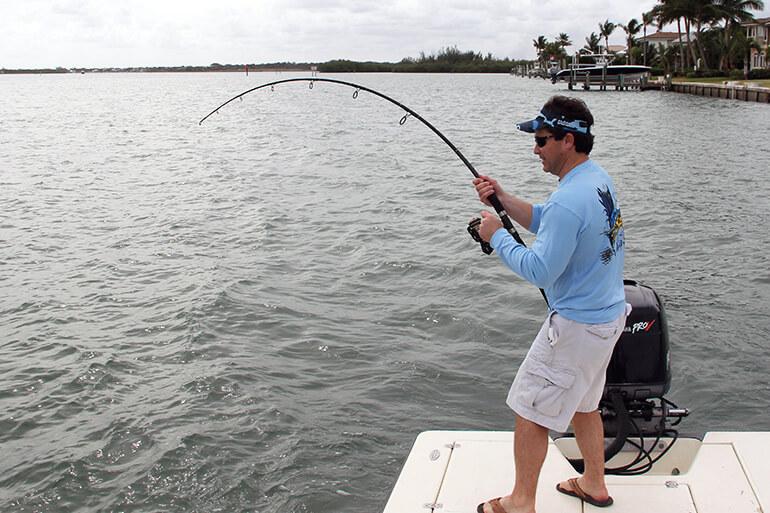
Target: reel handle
(473,229)
(507,224)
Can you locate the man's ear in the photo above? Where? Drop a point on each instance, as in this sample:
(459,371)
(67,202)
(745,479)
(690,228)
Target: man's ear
(569,138)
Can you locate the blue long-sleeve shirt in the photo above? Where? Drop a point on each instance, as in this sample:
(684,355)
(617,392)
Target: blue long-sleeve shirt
(577,257)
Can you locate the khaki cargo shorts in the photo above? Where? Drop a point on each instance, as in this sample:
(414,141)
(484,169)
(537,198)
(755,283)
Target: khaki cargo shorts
(564,370)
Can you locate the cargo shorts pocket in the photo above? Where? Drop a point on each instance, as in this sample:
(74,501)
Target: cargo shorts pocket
(543,388)
(603,331)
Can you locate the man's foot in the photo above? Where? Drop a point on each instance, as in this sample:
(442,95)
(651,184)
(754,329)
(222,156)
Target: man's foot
(592,494)
(502,505)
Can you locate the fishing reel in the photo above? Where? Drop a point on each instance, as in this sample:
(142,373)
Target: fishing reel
(473,229)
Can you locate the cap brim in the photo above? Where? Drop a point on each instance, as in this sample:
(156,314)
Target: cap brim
(529,126)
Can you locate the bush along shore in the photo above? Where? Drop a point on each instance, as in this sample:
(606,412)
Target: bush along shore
(447,60)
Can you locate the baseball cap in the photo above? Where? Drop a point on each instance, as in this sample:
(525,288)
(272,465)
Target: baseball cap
(553,120)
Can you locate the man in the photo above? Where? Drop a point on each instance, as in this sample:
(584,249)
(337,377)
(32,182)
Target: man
(577,258)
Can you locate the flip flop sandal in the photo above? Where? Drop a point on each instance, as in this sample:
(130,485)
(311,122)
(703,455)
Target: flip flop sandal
(583,496)
(496,506)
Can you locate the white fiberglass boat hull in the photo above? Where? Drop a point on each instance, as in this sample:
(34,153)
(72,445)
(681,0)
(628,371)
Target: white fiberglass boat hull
(453,471)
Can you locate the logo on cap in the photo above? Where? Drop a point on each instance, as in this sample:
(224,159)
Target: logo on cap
(560,122)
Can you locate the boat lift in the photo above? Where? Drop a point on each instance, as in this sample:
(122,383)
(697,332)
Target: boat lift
(601,73)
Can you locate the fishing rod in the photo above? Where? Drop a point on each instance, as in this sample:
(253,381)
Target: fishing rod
(493,199)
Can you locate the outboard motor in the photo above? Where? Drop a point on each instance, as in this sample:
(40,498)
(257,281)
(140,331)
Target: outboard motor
(639,373)
(639,367)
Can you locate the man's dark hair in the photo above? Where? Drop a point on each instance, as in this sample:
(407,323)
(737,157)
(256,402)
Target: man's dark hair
(572,109)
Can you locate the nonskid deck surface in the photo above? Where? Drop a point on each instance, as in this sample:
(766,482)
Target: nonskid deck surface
(453,471)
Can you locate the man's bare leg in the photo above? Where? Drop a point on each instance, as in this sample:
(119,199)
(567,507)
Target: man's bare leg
(589,433)
(530,444)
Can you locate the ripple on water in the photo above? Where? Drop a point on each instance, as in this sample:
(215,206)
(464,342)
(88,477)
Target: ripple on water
(229,318)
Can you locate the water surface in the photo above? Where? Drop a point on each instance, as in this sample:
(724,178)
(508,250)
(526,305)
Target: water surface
(260,314)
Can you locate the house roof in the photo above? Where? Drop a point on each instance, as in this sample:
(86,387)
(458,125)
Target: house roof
(758,21)
(661,36)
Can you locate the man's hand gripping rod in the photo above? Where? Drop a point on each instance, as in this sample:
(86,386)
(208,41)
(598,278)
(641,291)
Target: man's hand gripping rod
(473,228)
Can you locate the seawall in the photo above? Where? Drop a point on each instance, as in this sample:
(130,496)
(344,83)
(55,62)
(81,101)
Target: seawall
(727,91)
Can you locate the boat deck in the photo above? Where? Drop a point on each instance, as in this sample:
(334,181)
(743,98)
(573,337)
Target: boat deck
(452,471)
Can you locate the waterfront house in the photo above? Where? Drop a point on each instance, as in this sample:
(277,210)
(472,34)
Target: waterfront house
(619,51)
(616,49)
(665,39)
(759,31)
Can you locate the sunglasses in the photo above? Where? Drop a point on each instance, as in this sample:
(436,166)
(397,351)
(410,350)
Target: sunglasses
(541,141)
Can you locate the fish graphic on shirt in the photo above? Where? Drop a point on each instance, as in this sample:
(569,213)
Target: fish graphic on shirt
(614,232)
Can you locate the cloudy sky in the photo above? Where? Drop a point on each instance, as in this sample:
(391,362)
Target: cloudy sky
(103,33)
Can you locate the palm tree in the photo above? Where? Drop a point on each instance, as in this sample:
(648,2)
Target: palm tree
(554,51)
(669,11)
(563,41)
(648,18)
(631,29)
(733,13)
(539,45)
(688,10)
(592,43)
(703,12)
(605,30)
(667,57)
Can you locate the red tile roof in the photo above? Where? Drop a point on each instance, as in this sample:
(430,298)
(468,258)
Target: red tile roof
(663,35)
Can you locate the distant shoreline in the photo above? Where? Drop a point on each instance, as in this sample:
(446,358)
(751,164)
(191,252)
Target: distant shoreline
(174,69)
(449,60)
(74,71)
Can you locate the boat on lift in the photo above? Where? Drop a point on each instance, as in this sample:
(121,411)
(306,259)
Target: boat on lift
(600,72)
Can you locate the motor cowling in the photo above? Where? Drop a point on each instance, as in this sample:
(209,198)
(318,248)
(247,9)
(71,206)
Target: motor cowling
(639,367)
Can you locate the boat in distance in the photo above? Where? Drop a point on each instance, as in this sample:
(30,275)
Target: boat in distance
(600,73)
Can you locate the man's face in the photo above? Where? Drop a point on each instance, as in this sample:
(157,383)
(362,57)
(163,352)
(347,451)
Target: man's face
(551,154)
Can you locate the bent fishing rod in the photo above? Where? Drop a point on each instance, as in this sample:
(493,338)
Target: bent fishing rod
(493,199)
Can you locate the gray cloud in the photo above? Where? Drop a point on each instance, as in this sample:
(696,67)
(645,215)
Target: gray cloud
(92,33)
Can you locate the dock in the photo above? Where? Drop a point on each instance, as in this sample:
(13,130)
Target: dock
(601,72)
(619,83)
(728,91)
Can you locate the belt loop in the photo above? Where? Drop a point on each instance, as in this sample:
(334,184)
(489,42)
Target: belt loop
(552,335)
